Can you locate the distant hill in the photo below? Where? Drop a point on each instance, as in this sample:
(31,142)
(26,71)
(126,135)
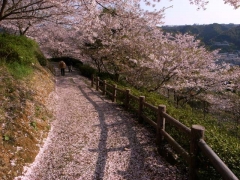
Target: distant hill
(214,36)
(231,35)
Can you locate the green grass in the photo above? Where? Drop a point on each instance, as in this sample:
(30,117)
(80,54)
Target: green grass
(19,54)
(18,70)
(20,49)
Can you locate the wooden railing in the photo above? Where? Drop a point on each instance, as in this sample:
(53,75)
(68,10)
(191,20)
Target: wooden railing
(195,134)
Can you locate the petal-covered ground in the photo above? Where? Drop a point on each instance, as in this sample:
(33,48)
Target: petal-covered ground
(93,138)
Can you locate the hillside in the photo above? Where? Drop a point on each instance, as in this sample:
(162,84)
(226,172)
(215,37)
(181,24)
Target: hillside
(231,35)
(209,34)
(25,86)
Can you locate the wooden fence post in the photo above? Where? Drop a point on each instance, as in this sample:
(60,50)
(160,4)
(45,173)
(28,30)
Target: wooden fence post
(97,83)
(197,133)
(160,124)
(140,109)
(114,96)
(92,81)
(126,103)
(104,87)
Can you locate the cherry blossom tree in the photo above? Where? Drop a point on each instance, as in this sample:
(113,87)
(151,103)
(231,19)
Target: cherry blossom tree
(140,52)
(24,9)
(56,40)
(119,38)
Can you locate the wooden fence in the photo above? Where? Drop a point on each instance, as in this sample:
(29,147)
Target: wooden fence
(195,133)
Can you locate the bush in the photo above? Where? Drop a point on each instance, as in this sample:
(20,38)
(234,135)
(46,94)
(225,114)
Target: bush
(41,59)
(87,70)
(105,75)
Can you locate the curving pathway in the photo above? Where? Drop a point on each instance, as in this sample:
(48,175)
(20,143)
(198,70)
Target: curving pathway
(92,138)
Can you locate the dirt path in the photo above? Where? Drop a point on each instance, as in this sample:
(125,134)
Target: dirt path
(93,138)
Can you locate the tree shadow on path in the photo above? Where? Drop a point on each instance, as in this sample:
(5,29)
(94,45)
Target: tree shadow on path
(140,150)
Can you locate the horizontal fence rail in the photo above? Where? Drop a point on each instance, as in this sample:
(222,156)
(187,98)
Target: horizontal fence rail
(177,124)
(195,134)
(176,146)
(216,161)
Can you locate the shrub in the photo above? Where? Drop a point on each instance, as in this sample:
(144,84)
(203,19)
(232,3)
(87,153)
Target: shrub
(41,58)
(105,75)
(87,70)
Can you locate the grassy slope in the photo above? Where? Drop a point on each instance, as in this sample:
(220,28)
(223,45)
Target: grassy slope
(24,116)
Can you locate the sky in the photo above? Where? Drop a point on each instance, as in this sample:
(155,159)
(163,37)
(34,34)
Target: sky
(182,13)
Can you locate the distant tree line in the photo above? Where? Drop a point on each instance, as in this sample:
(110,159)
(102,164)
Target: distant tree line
(211,33)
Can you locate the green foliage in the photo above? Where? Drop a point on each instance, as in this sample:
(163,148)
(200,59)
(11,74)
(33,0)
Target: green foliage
(20,49)
(33,124)
(19,54)
(41,58)
(105,75)
(38,110)
(18,70)
(211,33)
(87,70)
(232,36)
(6,137)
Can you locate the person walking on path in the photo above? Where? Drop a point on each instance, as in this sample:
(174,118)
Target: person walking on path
(62,66)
